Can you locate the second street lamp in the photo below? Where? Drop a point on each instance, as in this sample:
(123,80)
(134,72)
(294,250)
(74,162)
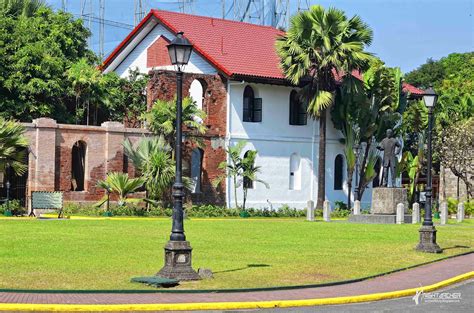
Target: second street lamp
(178,263)
(428,231)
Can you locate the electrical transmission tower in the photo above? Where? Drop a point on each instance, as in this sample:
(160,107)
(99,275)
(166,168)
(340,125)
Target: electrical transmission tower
(303,5)
(280,11)
(139,11)
(252,11)
(186,6)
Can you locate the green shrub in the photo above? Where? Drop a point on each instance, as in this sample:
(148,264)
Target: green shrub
(15,208)
(469,208)
(452,205)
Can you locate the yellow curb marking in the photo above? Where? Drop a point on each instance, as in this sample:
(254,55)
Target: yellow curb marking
(230,305)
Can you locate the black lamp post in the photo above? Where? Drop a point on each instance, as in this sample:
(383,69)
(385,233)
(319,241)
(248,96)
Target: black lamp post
(428,231)
(178,250)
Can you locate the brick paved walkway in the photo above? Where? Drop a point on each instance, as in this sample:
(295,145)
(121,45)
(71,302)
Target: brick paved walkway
(420,276)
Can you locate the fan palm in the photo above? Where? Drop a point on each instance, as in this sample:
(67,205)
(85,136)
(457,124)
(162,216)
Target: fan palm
(122,185)
(319,45)
(13,147)
(152,158)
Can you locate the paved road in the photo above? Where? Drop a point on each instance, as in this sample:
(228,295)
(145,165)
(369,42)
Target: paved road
(465,304)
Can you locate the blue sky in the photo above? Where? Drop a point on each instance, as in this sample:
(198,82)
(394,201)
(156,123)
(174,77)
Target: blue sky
(406,32)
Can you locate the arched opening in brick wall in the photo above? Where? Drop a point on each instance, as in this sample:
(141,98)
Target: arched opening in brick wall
(78,166)
(196,92)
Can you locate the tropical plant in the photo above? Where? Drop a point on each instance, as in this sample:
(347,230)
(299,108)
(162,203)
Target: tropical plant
(20,7)
(86,83)
(122,186)
(161,119)
(241,169)
(152,158)
(249,174)
(351,139)
(372,106)
(13,147)
(320,45)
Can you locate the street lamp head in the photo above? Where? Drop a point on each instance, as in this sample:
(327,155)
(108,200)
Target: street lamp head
(180,51)
(430,97)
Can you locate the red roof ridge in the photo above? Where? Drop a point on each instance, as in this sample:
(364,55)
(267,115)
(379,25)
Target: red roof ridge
(219,19)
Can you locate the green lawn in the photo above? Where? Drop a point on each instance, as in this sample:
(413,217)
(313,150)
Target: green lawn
(105,254)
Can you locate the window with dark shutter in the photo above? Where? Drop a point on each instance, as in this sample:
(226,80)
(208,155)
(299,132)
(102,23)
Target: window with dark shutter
(298,114)
(252,107)
(257,110)
(338,172)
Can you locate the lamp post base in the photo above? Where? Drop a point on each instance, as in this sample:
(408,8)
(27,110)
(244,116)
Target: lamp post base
(428,240)
(178,262)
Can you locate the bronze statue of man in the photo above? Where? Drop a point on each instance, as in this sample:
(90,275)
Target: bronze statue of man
(391,148)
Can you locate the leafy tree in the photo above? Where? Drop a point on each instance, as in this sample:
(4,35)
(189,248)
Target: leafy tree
(456,151)
(318,45)
(122,185)
(37,52)
(13,147)
(86,83)
(429,73)
(241,169)
(126,97)
(161,119)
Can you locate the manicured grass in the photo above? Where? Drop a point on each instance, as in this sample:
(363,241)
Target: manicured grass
(105,254)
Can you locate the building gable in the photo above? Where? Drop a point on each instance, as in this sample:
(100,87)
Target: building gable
(157,53)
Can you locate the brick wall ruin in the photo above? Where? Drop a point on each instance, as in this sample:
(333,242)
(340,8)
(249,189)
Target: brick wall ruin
(162,86)
(50,163)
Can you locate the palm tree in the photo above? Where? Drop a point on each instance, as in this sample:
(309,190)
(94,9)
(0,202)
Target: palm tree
(249,173)
(319,45)
(161,119)
(241,169)
(152,158)
(20,7)
(122,185)
(13,147)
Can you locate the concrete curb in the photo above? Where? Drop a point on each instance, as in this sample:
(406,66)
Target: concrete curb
(231,305)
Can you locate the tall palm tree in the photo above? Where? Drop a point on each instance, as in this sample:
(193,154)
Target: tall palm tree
(319,46)
(13,147)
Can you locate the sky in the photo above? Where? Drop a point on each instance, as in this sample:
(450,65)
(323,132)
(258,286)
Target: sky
(406,32)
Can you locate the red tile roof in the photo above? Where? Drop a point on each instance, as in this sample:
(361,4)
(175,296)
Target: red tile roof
(234,48)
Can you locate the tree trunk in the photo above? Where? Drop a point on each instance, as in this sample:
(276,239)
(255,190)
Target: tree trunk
(362,172)
(322,161)
(235,193)
(245,199)
(349,187)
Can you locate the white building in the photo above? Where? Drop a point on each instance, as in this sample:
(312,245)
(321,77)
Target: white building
(234,65)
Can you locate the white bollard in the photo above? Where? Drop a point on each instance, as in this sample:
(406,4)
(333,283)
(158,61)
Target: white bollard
(357,207)
(460,213)
(443,208)
(310,211)
(327,211)
(400,213)
(415,219)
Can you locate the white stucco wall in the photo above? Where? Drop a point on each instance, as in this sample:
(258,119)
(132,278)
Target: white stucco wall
(135,55)
(276,140)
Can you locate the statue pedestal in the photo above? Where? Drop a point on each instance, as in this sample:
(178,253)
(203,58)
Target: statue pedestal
(384,207)
(385,200)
